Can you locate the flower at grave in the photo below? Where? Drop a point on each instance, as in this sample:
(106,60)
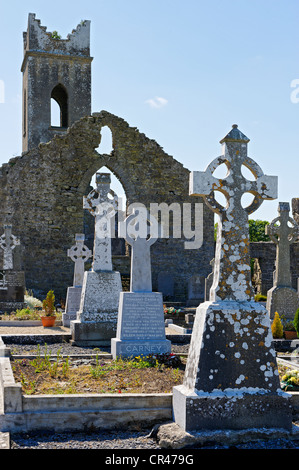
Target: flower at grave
(171,310)
(290,380)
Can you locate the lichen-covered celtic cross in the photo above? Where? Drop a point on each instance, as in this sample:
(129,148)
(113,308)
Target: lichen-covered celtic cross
(283,235)
(8,242)
(79,253)
(103,209)
(232,276)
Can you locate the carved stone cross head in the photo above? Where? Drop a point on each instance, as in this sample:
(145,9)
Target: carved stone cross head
(8,242)
(232,277)
(79,253)
(283,230)
(141,232)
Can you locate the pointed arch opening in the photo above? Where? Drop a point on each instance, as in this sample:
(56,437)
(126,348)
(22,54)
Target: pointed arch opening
(59,107)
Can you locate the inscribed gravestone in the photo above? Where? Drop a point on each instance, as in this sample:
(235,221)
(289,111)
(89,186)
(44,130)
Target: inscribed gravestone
(282,298)
(97,316)
(231,379)
(12,288)
(79,253)
(140,326)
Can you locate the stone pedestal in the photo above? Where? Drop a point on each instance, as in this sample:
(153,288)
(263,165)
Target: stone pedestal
(97,317)
(140,327)
(231,379)
(12,290)
(73,299)
(283,300)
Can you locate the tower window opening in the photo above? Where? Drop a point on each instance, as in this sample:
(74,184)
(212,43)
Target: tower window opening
(59,107)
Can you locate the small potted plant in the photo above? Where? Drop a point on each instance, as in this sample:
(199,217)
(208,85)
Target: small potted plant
(289,330)
(48,316)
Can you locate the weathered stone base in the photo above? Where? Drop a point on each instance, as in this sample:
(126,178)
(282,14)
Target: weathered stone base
(172,436)
(140,325)
(233,410)
(231,379)
(283,300)
(97,317)
(137,348)
(100,295)
(93,333)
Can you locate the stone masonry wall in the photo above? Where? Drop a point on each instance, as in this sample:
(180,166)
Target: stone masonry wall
(42,191)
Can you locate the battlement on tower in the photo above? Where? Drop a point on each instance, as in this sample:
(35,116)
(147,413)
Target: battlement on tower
(38,39)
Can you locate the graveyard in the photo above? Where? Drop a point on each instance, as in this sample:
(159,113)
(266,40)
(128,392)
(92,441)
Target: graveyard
(157,321)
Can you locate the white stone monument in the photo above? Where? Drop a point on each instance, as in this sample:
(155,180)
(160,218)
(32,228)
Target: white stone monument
(140,326)
(97,316)
(79,253)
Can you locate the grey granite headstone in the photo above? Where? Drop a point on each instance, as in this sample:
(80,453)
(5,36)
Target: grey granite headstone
(79,253)
(231,379)
(140,326)
(166,284)
(97,316)
(196,289)
(282,297)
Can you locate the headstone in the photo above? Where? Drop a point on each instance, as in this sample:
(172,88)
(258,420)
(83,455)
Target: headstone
(231,379)
(196,290)
(79,253)
(12,280)
(166,284)
(97,316)
(282,297)
(140,326)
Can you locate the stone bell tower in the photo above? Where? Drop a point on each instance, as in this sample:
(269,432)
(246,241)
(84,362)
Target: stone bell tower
(54,69)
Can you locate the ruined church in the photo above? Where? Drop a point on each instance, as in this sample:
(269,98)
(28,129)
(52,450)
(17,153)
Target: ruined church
(42,190)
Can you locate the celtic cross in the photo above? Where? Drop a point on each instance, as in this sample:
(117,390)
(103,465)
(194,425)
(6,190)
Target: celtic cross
(141,229)
(8,242)
(103,209)
(79,253)
(283,235)
(232,276)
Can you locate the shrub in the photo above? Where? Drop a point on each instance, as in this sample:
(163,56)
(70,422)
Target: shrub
(296,321)
(48,304)
(276,327)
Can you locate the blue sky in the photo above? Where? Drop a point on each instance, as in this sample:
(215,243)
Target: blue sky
(182,73)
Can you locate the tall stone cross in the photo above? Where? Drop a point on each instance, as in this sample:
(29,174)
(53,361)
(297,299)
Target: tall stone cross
(8,242)
(232,277)
(231,379)
(102,208)
(79,253)
(141,234)
(283,235)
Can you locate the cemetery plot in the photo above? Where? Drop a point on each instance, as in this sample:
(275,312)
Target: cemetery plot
(61,375)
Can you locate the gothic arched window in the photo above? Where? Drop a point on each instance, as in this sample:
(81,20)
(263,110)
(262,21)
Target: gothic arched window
(59,95)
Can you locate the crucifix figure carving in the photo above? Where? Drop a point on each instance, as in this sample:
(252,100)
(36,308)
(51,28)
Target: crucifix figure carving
(8,242)
(103,209)
(79,253)
(232,277)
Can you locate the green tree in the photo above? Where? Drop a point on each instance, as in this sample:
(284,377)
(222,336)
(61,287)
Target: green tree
(257,231)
